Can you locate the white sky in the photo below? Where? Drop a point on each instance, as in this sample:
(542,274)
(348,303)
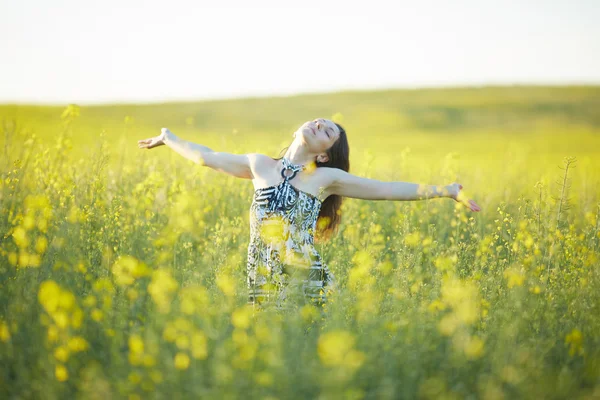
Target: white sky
(66,51)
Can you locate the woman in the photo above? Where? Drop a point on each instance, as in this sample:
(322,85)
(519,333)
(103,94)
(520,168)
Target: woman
(284,215)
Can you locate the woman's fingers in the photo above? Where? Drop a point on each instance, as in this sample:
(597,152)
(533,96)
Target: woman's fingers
(145,143)
(473,206)
(461,198)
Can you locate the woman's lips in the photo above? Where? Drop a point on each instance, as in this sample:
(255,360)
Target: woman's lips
(313,130)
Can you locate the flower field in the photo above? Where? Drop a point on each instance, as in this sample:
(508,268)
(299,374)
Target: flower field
(122,271)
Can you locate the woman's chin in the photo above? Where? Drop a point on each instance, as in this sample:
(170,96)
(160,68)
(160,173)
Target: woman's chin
(303,134)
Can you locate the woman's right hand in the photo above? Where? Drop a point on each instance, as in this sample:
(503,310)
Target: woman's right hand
(152,142)
(454,192)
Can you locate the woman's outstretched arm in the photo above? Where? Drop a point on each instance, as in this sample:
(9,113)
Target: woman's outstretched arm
(239,165)
(348,185)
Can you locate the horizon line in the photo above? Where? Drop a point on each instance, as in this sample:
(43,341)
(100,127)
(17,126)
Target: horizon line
(301,94)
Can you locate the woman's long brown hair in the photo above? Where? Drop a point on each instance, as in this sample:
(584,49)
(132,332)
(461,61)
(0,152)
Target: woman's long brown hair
(330,214)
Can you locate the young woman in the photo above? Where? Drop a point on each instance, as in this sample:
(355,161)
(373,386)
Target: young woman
(296,196)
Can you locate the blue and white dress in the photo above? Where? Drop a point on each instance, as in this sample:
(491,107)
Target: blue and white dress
(282,259)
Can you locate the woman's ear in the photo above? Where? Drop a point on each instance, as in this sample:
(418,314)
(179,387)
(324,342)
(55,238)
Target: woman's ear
(322,158)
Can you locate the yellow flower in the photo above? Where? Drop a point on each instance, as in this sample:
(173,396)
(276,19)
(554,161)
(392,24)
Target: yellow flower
(448,324)
(61,354)
(242,317)
(81,268)
(336,349)
(514,276)
(127,269)
(52,333)
(412,239)
(20,237)
(61,319)
(12,258)
(199,347)
(536,289)
(182,342)
(435,305)
(28,222)
(182,361)
(473,347)
(66,300)
(455,291)
(136,344)
(170,332)
(445,263)
(161,289)
(226,284)
(77,343)
(575,340)
(192,298)
(467,311)
(77,318)
(183,325)
(4,332)
(97,315)
(309,313)
(273,230)
(136,350)
(61,373)
(48,295)
(41,244)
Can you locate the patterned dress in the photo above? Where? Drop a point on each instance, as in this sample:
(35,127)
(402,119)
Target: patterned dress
(282,260)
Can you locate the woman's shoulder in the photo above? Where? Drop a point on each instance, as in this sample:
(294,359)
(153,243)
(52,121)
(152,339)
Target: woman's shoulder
(328,175)
(263,158)
(260,161)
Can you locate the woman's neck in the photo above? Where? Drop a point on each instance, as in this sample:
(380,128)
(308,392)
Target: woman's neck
(298,154)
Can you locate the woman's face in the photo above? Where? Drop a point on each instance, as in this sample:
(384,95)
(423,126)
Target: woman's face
(319,134)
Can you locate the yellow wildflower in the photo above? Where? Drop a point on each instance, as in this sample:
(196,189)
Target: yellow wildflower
(241,317)
(61,373)
(336,349)
(182,361)
(575,341)
(4,332)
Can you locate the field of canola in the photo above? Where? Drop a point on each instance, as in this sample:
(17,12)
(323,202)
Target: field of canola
(122,271)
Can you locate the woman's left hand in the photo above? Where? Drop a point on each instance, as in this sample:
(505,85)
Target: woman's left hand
(454,190)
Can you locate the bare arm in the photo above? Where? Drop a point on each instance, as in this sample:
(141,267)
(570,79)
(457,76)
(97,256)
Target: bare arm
(238,165)
(348,185)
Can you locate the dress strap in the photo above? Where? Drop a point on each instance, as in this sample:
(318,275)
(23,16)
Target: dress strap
(293,167)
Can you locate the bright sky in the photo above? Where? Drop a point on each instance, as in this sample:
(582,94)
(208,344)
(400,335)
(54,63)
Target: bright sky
(78,51)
